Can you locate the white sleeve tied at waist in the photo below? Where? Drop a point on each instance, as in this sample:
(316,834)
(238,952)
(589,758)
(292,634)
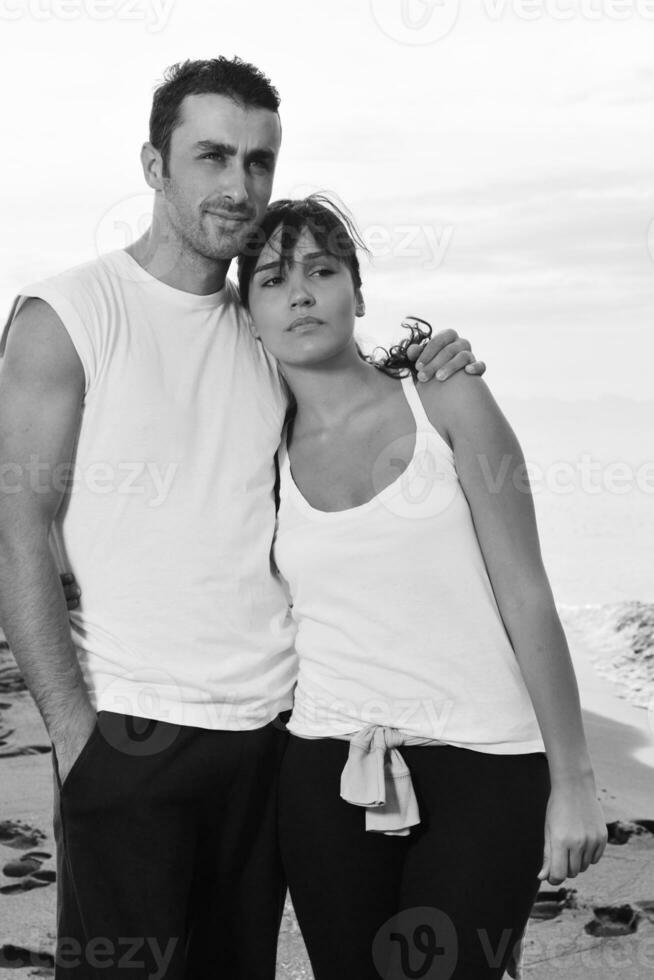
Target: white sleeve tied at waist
(377,777)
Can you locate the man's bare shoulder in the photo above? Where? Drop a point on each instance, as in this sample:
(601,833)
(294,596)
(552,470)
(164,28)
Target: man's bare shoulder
(39,346)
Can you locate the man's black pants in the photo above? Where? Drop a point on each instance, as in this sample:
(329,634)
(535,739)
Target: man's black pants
(168,862)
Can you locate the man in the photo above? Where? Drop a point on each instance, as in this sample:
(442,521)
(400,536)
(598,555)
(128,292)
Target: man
(141,418)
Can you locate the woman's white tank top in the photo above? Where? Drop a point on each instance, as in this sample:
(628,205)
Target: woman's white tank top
(397,623)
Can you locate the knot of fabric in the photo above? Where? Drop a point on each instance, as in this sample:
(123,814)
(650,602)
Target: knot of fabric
(376,777)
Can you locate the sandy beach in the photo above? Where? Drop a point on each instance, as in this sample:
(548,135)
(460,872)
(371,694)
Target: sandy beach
(600,924)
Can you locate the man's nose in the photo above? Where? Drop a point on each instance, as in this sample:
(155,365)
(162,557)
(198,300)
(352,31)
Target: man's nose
(234,187)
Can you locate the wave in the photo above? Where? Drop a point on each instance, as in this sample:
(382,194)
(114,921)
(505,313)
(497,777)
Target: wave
(621,645)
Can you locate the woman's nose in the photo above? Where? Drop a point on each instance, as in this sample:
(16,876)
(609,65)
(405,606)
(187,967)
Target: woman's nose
(301,297)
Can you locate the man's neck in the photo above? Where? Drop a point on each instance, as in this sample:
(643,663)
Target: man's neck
(176,266)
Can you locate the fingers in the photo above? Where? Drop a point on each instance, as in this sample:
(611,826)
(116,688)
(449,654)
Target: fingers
(450,360)
(413,351)
(477,367)
(441,348)
(558,867)
(599,847)
(71,589)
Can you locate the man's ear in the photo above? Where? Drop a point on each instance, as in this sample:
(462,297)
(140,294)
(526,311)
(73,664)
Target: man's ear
(360,307)
(152,164)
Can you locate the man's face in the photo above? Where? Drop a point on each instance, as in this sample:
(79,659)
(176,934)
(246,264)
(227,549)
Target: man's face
(220,172)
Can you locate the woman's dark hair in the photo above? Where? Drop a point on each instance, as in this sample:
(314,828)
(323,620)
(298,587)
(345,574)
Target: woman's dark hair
(335,232)
(231,77)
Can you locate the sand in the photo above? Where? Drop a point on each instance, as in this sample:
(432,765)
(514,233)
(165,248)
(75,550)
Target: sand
(599,925)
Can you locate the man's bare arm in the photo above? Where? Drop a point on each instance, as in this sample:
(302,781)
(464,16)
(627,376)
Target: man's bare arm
(41,390)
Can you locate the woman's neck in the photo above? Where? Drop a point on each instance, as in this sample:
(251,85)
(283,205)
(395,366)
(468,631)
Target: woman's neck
(329,392)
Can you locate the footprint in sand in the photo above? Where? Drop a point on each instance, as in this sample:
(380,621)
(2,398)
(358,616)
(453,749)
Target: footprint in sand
(14,957)
(10,751)
(647,908)
(613,920)
(28,884)
(621,831)
(548,904)
(14,833)
(28,869)
(26,865)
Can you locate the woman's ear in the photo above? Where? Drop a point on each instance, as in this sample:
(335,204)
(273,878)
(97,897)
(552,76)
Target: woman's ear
(360,307)
(253,329)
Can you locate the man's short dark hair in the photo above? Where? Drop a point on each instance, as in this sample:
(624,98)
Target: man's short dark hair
(231,77)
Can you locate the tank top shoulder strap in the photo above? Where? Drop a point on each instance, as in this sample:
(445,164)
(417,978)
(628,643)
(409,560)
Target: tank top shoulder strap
(424,426)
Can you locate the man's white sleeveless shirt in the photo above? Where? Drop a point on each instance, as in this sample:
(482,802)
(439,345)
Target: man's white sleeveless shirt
(169,520)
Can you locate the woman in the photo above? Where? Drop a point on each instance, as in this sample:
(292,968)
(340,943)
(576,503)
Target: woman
(407,536)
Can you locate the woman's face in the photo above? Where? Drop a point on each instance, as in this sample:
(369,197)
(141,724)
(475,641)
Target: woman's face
(303,312)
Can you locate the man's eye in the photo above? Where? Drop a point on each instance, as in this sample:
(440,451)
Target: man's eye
(211,156)
(261,166)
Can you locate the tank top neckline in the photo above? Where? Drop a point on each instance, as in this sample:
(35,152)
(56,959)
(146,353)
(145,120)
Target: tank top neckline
(127,267)
(424,429)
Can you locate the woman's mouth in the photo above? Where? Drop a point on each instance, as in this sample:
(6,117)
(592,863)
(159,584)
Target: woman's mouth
(303,321)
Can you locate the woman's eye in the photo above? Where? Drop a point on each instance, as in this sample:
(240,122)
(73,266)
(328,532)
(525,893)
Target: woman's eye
(272,281)
(323,271)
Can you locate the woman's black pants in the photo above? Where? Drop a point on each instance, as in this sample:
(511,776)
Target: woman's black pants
(450,901)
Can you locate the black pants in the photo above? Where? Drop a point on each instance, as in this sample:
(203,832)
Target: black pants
(168,858)
(450,901)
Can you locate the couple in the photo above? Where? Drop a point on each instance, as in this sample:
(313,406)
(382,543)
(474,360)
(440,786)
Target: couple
(142,371)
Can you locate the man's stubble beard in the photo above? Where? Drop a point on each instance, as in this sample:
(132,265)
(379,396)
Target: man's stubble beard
(190,234)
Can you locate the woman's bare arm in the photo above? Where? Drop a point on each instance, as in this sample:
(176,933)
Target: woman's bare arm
(492,472)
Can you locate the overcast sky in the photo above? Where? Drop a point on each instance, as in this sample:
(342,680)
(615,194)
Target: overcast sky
(498,155)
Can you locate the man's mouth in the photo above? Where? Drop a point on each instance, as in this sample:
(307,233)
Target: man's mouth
(302,321)
(226,216)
